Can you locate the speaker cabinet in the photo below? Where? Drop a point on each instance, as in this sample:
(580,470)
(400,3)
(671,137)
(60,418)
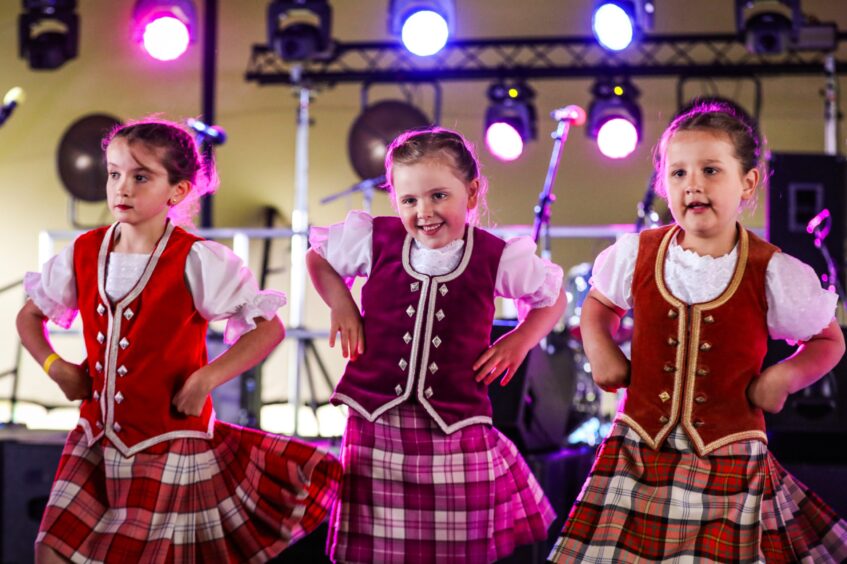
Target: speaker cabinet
(802,185)
(28,460)
(532,409)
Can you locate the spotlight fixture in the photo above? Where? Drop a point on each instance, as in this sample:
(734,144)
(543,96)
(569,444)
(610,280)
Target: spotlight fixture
(616,23)
(423,25)
(509,119)
(300,30)
(48,33)
(768,26)
(164,28)
(614,117)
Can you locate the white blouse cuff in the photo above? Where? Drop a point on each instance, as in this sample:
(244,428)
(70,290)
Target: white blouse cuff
(264,304)
(318,238)
(55,311)
(548,293)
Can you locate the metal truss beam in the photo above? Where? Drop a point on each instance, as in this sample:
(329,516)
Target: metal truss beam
(716,55)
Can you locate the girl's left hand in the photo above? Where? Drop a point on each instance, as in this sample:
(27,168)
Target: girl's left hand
(191,398)
(769,390)
(503,357)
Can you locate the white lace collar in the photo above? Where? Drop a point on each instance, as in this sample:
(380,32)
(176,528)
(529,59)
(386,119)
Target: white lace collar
(435,262)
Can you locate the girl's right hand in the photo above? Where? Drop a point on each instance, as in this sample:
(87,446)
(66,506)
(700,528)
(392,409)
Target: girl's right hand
(346,319)
(72,379)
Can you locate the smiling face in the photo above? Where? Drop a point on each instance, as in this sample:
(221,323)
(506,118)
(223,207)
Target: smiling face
(138,190)
(432,201)
(705,186)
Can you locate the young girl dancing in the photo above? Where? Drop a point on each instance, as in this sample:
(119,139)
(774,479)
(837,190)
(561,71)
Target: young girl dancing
(685,474)
(427,478)
(148,474)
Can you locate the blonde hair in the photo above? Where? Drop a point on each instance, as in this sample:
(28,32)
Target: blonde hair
(438,143)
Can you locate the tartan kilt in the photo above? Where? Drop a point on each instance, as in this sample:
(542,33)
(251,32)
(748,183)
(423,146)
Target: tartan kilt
(242,496)
(737,504)
(411,493)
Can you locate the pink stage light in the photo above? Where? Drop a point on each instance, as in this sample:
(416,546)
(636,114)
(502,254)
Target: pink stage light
(166,38)
(503,141)
(164,28)
(617,138)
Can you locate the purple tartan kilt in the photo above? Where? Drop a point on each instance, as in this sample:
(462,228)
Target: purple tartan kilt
(737,504)
(242,496)
(412,494)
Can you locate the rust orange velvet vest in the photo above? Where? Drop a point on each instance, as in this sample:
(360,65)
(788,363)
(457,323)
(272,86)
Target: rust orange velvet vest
(692,363)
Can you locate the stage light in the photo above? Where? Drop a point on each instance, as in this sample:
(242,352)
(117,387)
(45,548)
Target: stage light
(48,33)
(614,118)
(164,28)
(616,23)
(509,119)
(300,30)
(423,25)
(768,26)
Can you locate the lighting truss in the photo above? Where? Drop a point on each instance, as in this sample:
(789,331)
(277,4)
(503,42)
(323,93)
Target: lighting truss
(714,55)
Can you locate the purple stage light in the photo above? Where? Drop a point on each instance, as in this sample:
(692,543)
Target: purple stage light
(164,28)
(165,38)
(617,138)
(503,141)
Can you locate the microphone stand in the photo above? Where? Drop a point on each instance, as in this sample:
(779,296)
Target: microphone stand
(366,187)
(646,217)
(819,227)
(541,225)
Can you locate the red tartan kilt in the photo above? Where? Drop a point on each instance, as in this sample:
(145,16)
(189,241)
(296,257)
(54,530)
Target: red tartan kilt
(736,504)
(242,496)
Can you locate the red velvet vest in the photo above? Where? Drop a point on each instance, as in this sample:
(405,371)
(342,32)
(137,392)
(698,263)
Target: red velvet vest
(142,348)
(692,364)
(423,333)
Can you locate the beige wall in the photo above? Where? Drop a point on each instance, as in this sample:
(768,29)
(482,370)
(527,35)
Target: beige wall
(256,165)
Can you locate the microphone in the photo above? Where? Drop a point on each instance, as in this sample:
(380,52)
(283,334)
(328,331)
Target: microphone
(814,225)
(11,100)
(212,134)
(572,113)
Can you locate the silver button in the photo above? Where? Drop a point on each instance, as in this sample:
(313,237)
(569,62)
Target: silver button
(100,337)
(122,370)
(98,367)
(124,343)
(407,337)
(128,314)
(119,397)
(100,309)
(443,290)
(410,311)
(96,395)
(663,419)
(706,347)
(433,368)
(673,314)
(403,364)
(439,315)
(700,399)
(415,286)
(399,389)
(117,427)
(99,425)
(428,392)
(709,319)
(436,341)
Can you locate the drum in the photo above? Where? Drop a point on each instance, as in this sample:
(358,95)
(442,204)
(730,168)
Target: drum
(576,291)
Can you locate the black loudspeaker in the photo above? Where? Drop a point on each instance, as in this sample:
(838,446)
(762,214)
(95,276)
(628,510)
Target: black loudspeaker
(28,460)
(813,420)
(802,185)
(532,410)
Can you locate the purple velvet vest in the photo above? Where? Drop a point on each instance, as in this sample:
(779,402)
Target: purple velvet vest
(423,333)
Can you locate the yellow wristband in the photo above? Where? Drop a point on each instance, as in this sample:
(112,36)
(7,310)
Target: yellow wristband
(48,362)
